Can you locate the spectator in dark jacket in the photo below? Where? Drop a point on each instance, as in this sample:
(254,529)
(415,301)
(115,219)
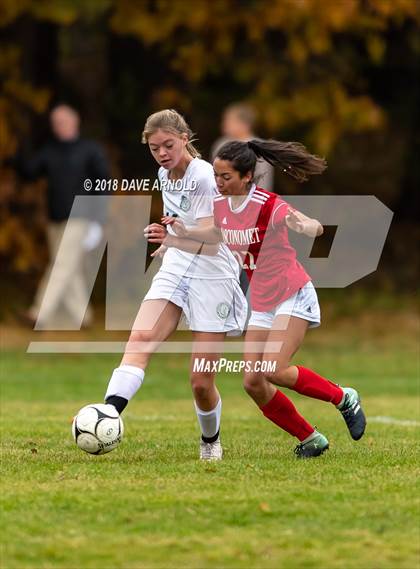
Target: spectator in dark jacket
(66,161)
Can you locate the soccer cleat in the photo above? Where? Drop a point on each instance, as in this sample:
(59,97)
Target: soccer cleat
(353,413)
(315,446)
(211,451)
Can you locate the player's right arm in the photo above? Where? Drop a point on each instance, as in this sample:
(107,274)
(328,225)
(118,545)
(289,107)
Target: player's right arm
(208,233)
(156,233)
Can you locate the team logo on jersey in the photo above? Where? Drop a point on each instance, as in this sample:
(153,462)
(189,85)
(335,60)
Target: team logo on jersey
(223,310)
(224,221)
(185,203)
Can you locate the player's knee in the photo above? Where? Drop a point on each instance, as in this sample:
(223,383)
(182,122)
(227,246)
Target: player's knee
(140,336)
(253,383)
(201,384)
(279,376)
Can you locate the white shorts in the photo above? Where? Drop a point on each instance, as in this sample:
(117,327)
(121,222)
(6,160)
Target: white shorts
(208,305)
(304,304)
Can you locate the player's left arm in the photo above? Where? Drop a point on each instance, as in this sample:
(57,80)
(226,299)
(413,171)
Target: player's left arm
(301,223)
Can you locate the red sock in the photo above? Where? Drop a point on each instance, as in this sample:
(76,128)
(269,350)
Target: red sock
(313,385)
(284,414)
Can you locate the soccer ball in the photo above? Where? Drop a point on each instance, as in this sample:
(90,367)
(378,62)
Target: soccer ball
(97,428)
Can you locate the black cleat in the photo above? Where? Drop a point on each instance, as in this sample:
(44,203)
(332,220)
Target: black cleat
(352,412)
(314,447)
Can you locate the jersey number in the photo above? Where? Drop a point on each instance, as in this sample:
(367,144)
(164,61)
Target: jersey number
(241,257)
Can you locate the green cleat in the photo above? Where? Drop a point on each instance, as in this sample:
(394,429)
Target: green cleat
(313,446)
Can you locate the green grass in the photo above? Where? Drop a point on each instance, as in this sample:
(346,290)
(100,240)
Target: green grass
(151,504)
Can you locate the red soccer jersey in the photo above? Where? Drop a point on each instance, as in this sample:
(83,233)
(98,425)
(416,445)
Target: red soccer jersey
(257,235)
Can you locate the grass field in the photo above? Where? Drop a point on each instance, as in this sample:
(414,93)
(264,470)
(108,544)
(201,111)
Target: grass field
(151,504)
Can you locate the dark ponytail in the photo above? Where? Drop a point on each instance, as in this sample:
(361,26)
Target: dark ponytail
(291,157)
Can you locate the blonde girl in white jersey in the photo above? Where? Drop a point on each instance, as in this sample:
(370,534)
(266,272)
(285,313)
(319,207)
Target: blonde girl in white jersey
(182,283)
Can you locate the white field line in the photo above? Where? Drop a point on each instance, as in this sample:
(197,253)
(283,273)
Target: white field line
(392,421)
(378,419)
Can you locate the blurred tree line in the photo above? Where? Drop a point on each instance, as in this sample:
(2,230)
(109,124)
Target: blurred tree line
(343,76)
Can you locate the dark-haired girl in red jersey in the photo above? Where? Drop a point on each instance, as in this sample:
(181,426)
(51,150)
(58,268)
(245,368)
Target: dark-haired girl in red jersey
(254,224)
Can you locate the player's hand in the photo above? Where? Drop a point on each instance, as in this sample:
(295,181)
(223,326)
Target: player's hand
(160,252)
(300,223)
(167,219)
(177,225)
(295,220)
(155,233)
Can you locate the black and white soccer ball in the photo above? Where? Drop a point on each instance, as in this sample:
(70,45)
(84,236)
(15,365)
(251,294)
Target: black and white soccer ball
(98,428)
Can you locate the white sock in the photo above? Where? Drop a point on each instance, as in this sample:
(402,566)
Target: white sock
(209,420)
(311,436)
(125,382)
(342,400)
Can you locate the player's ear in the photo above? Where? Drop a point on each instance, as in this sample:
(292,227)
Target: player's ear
(184,138)
(248,177)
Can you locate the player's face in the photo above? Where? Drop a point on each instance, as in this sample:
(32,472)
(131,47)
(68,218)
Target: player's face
(228,180)
(167,148)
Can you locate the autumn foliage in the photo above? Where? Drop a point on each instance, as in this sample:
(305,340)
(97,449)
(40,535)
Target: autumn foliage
(306,65)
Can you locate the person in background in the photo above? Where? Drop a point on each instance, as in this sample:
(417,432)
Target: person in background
(65,161)
(238,123)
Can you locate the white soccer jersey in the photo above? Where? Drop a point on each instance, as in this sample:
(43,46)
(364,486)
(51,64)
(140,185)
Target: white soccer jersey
(190,199)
